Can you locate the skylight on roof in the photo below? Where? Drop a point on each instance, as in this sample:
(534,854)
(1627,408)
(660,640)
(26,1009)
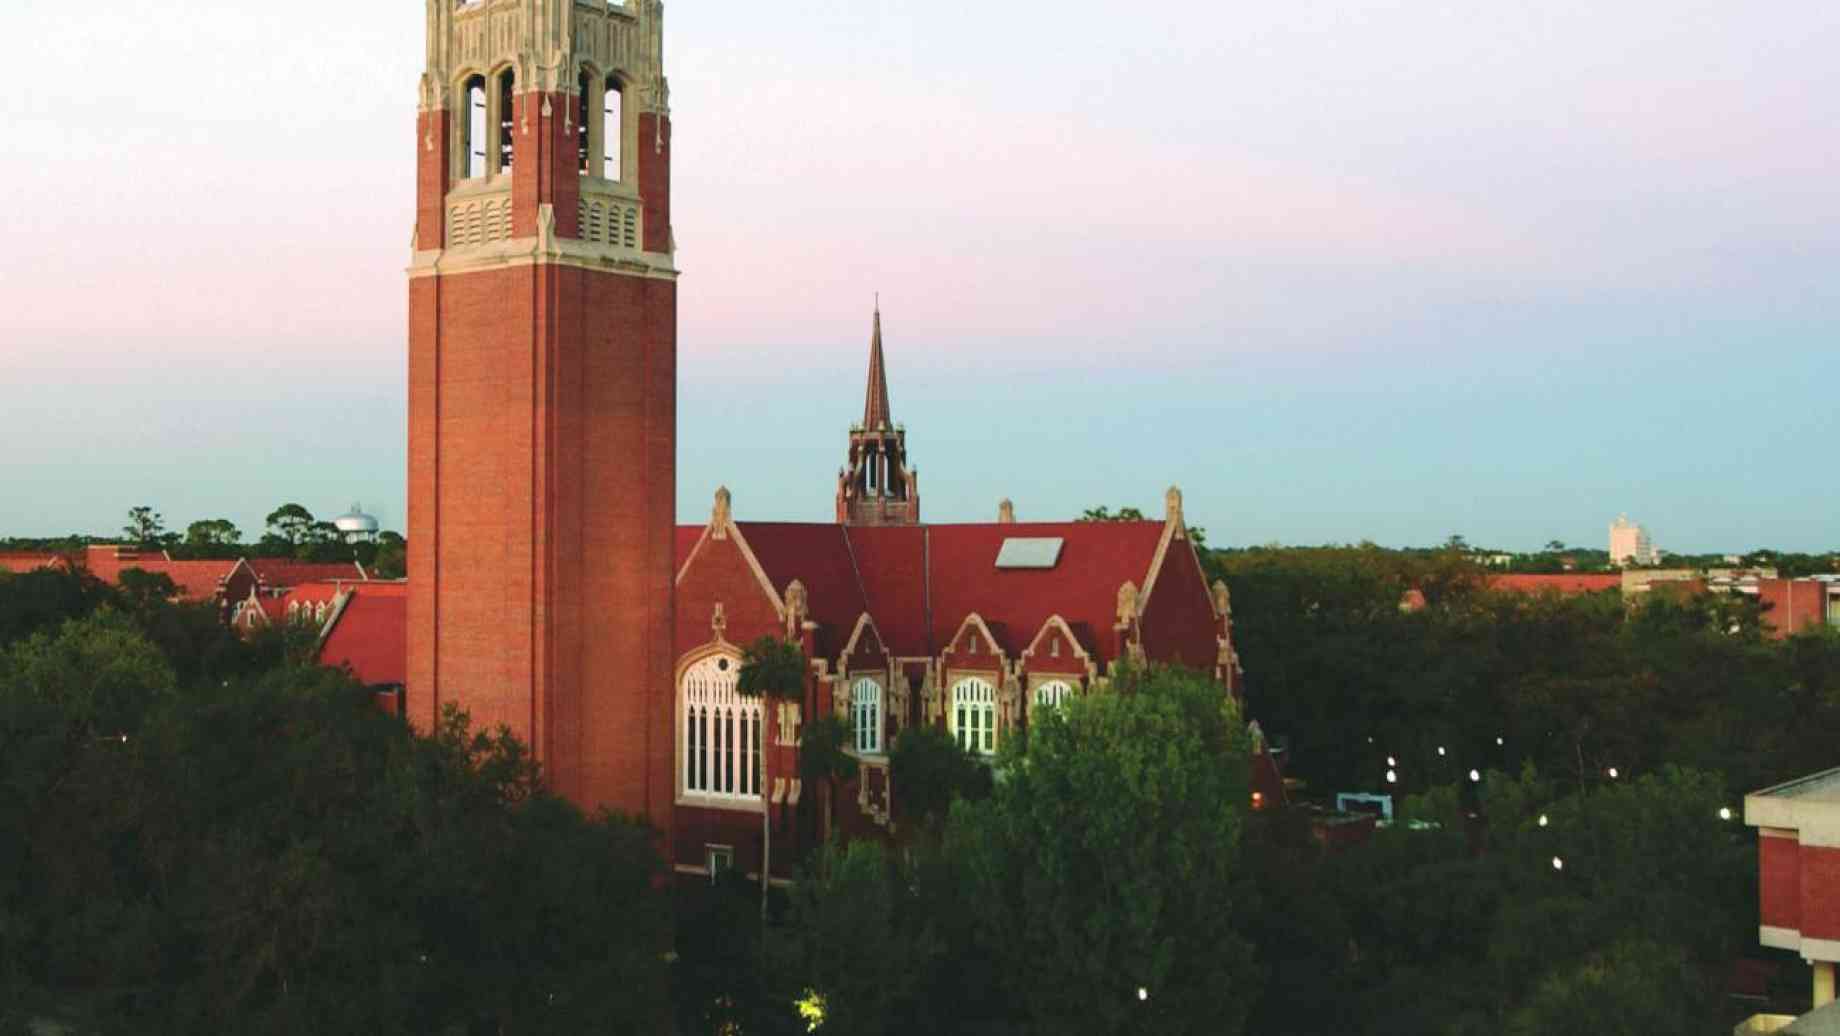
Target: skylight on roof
(1021,553)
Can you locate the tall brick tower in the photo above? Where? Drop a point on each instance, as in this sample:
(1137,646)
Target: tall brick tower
(542,389)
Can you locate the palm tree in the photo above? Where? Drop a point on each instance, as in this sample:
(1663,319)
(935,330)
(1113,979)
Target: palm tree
(771,670)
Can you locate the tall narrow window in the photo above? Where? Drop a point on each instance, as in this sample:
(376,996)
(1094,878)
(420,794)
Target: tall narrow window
(476,128)
(613,138)
(974,715)
(507,105)
(866,702)
(586,85)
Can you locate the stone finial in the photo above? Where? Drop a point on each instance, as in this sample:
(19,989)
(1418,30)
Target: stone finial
(1223,599)
(1172,504)
(718,623)
(722,514)
(1006,512)
(798,607)
(1127,604)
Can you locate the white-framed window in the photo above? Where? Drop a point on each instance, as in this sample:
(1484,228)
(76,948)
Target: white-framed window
(974,715)
(477,137)
(721,732)
(1053,694)
(718,860)
(507,108)
(613,122)
(866,704)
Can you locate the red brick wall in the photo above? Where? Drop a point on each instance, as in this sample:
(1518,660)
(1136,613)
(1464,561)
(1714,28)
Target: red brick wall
(1779,869)
(1820,912)
(655,180)
(542,481)
(1792,606)
(432,173)
(1179,624)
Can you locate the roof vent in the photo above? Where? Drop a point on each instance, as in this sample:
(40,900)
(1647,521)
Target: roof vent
(1030,553)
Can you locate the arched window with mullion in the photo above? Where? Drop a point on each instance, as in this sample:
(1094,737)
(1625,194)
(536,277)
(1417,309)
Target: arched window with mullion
(866,702)
(613,128)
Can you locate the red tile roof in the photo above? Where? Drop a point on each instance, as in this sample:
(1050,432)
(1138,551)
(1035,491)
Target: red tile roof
(1569,583)
(370,634)
(920,583)
(196,580)
(22,563)
(278,573)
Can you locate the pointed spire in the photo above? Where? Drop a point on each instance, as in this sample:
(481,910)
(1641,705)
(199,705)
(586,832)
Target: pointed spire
(875,408)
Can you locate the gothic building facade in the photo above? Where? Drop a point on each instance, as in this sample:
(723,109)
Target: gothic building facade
(550,590)
(971,628)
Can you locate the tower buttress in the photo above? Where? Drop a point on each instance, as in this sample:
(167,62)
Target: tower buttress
(876,486)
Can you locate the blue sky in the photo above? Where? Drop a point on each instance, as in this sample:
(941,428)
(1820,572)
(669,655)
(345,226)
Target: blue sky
(1387,270)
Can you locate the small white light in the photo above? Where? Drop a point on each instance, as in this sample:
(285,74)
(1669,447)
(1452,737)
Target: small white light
(1392,776)
(1543,820)
(1558,864)
(1499,741)
(1440,750)
(1725,813)
(1390,761)
(1475,777)
(1142,993)
(1613,773)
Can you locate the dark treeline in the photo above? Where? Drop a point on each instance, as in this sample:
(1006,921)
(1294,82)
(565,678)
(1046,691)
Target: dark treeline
(290,531)
(1593,874)
(204,833)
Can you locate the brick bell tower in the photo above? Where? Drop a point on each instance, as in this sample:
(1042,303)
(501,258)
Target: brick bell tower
(543,388)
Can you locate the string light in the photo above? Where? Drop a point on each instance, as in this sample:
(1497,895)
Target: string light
(1392,777)
(1558,864)
(1613,773)
(1142,994)
(1390,761)
(1440,751)
(1725,813)
(1500,742)
(1475,777)
(1543,820)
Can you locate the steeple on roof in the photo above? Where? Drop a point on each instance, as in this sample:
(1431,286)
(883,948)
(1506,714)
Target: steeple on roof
(875,407)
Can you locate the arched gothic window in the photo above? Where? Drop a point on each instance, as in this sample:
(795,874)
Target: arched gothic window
(583,139)
(1053,693)
(974,715)
(473,146)
(507,106)
(721,732)
(866,702)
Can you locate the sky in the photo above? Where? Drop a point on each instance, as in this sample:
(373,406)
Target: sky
(1342,271)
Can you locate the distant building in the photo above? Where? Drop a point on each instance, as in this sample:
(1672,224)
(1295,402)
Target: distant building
(356,526)
(1798,862)
(1630,544)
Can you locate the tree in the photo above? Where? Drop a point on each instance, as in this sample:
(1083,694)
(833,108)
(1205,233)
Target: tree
(231,856)
(1555,546)
(213,532)
(1635,988)
(290,524)
(855,941)
(825,760)
(145,526)
(142,590)
(930,770)
(771,670)
(1104,514)
(1107,861)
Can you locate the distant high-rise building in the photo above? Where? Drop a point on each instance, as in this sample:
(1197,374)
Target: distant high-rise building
(1630,545)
